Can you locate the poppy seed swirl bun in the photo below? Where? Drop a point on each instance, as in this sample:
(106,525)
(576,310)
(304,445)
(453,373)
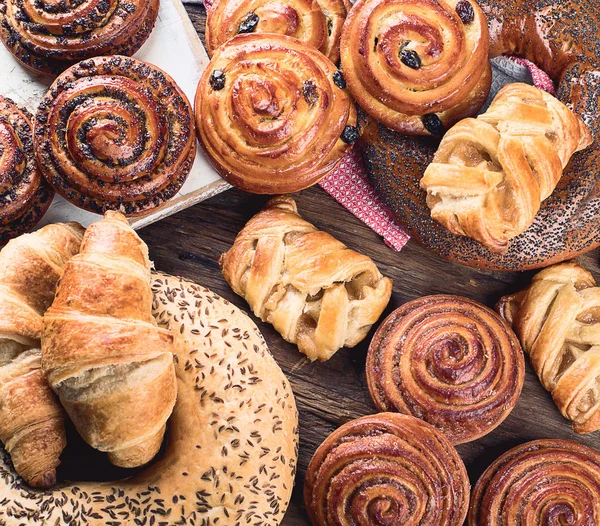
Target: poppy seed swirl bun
(115,133)
(273,113)
(49,36)
(24,194)
(417,66)
(386,470)
(449,361)
(231,443)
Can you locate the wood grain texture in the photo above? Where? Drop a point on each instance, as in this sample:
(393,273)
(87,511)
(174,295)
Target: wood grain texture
(329,394)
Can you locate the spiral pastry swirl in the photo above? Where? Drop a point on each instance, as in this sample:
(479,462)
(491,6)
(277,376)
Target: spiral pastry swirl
(24,194)
(114,133)
(386,470)
(449,361)
(315,22)
(50,35)
(417,66)
(272,113)
(540,483)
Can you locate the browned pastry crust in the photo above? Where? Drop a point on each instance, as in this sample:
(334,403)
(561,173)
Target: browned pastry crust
(24,194)
(386,469)
(47,37)
(409,61)
(31,419)
(490,174)
(449,361)
(115,133)
(102,352)
(540,483)
(557,320)
(315,22)
(314,290)
(270,114)
(231,449)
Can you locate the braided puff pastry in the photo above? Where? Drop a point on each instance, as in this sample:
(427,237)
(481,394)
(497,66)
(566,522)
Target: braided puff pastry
(558,322)
(102,352)
(31,419)
(314,290)
(490,174)
(417,66)
(315,22)
(272,113)
(114,133)
(49,36)
(386,469)
(24,194)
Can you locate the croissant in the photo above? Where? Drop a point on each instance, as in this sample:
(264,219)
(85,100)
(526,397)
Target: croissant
(557,320)
(31,419)
(490,174)
(102,352)
(314,290)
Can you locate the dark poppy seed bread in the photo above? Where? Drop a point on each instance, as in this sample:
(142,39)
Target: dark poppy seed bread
(231,443)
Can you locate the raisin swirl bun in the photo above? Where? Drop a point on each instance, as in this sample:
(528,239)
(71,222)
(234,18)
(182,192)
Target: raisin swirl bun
(540,483)
(417,66)
(49,36)
(315,22)
(386,469)
(272,113)
(449,361)
(115,133)
(24,194)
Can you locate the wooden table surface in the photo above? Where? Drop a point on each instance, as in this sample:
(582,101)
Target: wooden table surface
(332,393)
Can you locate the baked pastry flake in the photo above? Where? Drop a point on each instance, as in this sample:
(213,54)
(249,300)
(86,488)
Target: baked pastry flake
(314,290)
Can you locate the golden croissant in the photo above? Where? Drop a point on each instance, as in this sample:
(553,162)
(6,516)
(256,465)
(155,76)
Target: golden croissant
(314,290)
(31,419)
(102,352)
(490,174)
(557,320)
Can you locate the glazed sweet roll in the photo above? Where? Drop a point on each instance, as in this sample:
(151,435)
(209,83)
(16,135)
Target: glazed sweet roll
(449,361)
(49,36)
(24,194)
(315,22)
(114,133)
(273,113)
(386,469)
(417,66)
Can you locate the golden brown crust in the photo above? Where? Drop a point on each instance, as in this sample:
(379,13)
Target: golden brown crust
(539,483)
(557,320)
(48,39)
(407,59)
(31,419)
(386,465)
(314,290)
(490,174)
(24,194)
(231,449)
(102,352)
(314,22)
(273,119)
(115,133)
(449,361)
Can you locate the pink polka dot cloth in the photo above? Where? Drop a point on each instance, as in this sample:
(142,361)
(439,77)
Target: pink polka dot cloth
(349,183)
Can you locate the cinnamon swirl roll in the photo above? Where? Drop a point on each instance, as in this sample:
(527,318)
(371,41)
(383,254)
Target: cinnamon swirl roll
(386,469)
(273,113)
(114,133)
(417,66)
(315,22)
(541,483)
(49,36)
(449,361)
(24,194)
